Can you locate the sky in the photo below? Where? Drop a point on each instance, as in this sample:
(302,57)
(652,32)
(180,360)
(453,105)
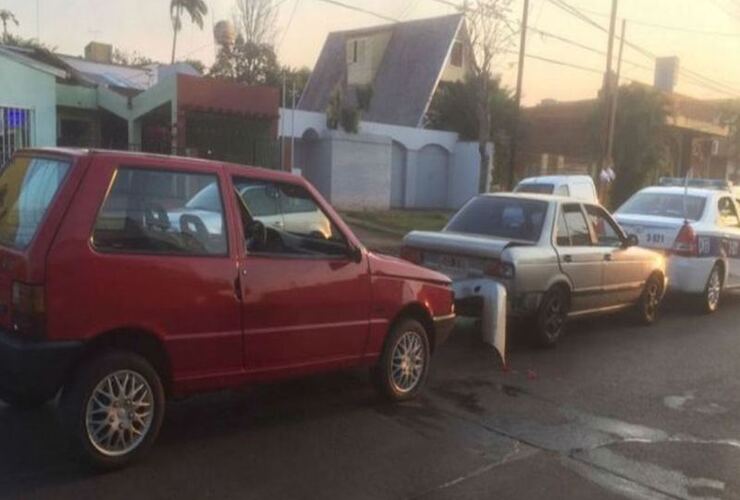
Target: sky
(704,34)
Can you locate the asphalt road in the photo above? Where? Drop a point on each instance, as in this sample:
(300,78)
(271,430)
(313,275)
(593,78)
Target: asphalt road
(615,411)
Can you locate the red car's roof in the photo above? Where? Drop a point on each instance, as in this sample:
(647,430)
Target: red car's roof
(162,160)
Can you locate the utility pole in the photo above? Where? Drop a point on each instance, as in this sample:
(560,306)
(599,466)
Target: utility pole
(292,128)
(607,89)
(282,127)
(615,96)
(518,96)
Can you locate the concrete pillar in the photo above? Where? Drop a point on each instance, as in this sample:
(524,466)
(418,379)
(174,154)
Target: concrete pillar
(134,135)
(412,168)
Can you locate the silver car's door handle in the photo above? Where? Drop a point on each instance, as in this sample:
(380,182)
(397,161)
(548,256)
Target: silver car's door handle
(567,258)
(607,256)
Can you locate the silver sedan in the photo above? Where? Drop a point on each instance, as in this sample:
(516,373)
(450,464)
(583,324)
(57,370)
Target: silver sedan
(556,258)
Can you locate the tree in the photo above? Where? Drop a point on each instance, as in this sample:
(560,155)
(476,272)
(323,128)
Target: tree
(127,59)
(247,62)
(197,65)
(27,43)
(7,17)
(295,78)
(730,117)
(255,20)
(640,142)
(491,33)
(455,107)
(196,9)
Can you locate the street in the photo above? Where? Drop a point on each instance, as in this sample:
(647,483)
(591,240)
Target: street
(615,411)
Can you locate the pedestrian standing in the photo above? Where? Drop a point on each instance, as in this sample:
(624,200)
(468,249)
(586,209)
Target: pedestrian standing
(606,179)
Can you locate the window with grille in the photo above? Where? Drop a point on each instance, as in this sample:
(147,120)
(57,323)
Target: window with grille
(16,131)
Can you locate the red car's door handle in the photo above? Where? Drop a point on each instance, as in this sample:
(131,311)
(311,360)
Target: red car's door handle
(607,256)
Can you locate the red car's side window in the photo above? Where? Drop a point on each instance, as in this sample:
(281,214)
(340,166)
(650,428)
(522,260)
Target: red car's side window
(162,212)
(284,219)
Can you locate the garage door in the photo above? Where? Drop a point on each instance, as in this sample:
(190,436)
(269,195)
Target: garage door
(431,177)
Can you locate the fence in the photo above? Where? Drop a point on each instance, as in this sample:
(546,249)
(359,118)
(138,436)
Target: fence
(16,131)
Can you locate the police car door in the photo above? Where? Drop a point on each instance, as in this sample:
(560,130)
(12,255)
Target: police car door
(729,223)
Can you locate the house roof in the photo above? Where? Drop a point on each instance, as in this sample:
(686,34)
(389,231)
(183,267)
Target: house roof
(28,57)
(111,75)
(406,78)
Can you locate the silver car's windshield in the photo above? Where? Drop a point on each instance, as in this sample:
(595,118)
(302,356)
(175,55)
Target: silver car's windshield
(665,205)
(501,217)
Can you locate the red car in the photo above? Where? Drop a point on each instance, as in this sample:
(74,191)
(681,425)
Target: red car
(127,278)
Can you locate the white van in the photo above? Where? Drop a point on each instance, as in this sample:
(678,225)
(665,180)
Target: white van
(580,187)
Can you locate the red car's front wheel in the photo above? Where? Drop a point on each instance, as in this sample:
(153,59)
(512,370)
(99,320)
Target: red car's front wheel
(404,363)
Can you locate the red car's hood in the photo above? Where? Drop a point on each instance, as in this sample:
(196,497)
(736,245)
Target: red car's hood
(385,265)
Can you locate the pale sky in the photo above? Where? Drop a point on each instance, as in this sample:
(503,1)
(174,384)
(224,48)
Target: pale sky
(144,26)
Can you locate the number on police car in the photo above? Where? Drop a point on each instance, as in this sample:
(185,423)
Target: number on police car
(655,238)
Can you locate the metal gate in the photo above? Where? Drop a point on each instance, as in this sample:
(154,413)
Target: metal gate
(15,131)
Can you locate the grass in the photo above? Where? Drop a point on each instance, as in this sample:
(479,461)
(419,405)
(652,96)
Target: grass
(399,221)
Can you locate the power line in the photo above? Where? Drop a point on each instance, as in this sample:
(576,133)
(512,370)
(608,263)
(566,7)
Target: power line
(682,29)
(361,10)
(558,62)
(575,43)
(694,76)
(290,21)
(450,4)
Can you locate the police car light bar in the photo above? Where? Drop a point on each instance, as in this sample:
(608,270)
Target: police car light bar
(719,184)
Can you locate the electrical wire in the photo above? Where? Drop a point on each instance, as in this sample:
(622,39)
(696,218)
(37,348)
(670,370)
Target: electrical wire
(290,21)
(361,10)
(682,29)
(694,76)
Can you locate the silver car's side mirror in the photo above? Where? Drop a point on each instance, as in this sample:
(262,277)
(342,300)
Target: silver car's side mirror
(631,241)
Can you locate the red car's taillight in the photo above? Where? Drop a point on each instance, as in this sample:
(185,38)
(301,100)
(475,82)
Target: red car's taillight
(28,309)
(413,255)
(686,243)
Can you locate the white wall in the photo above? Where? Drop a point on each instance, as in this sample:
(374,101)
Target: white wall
(25,87)
(355,170)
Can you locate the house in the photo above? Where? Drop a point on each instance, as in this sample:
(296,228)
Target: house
(92,102)
(402,64)
(390,74)
(560,137)
(28,110)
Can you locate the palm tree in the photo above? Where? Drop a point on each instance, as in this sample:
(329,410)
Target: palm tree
(197,9)
(5,16)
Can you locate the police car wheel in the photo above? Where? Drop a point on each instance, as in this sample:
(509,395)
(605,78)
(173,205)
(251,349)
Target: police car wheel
(712,291)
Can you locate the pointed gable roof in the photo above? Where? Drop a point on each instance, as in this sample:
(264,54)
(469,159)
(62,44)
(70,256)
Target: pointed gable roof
(407,77)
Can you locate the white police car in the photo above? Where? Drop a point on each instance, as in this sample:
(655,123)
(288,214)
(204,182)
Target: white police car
(697,224)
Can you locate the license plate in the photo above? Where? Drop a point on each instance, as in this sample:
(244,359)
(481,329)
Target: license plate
(654,238)
(455,266)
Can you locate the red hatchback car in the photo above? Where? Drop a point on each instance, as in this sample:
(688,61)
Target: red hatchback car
(127,278)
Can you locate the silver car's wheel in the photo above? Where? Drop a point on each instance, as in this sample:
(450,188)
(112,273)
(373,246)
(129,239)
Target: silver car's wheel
(408,362)
(649,304)
(119,413)
(550,320)
(713,290)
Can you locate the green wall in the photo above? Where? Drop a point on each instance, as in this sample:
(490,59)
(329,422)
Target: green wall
(24,87)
